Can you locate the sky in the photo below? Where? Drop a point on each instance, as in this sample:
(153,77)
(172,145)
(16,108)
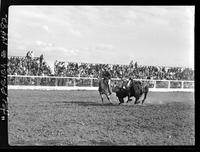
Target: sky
(150,35)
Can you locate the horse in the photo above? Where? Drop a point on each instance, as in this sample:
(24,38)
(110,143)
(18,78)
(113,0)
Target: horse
(103,89)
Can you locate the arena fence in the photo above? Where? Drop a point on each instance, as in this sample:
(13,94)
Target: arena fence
(86,83)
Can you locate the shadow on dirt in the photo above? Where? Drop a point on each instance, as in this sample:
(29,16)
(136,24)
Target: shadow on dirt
(88,103)
(102,143)
(43,143)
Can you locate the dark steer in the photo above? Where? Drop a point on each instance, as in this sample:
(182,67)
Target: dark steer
(132,89)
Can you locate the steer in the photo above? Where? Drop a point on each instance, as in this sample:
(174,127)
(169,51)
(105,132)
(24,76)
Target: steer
(132,88)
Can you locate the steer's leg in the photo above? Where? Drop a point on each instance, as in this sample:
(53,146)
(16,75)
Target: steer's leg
(121,100)
(129,97)
(136,100)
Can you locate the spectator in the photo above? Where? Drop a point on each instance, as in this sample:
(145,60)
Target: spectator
(29,65)
(41,60)
(31,55)
(28,55)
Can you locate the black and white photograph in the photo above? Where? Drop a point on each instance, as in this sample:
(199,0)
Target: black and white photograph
(101,75)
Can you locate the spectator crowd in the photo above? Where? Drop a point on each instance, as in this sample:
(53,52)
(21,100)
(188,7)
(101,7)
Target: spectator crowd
(36,66)
(28,65)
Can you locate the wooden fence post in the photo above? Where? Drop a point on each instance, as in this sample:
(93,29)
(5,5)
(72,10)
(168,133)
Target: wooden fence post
(182,84)
(74,82)
(91,83)
(168,85)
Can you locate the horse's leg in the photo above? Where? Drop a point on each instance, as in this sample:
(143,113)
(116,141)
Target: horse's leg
(101,97)
(145,91)
(145,95)
(109,87)
(108,97)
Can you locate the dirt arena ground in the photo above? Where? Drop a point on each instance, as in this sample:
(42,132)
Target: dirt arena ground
(56,118)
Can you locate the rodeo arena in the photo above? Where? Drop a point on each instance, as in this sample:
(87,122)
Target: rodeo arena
(72,104)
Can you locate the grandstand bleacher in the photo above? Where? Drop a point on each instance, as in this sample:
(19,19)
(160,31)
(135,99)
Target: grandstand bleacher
(35,72)
(35,67)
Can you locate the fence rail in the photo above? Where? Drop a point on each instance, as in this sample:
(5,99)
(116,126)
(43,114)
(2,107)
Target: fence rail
(23,80)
